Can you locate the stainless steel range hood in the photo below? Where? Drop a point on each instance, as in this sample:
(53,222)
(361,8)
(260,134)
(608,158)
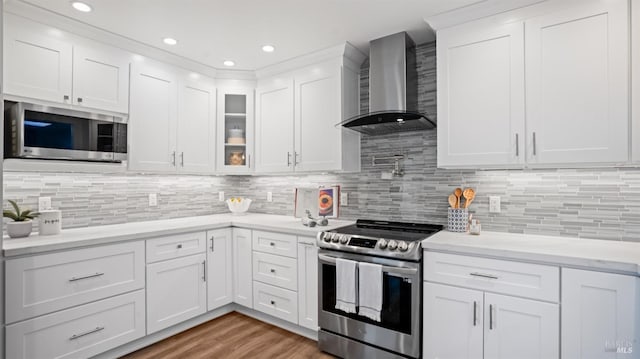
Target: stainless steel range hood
(393,89)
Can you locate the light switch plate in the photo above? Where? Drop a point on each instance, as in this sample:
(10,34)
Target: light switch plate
(494,204)
(221,196)
(44,203)
(153,199)
(344,199)
(269,196)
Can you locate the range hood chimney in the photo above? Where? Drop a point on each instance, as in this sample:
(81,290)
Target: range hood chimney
(393,89)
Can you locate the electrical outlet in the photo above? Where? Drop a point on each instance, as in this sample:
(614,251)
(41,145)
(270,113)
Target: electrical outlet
(221,196)
(494,204)
(269,196)
(44,203)
(344,199)
(153,199)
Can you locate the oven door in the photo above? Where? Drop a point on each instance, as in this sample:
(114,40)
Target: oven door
(399,329)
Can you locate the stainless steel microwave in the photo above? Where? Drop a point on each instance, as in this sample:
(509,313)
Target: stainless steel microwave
(36,131)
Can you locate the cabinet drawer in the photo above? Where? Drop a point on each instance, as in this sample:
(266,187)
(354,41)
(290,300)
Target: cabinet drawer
(520,279)
(80,332)
(280,303)
(170,247)
(46,283)
(275,243)
(275,270)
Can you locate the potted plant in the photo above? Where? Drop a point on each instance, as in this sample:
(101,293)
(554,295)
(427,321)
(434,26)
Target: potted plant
(22,224)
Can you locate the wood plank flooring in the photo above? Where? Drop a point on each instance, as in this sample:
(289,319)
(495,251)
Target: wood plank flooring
(232,336)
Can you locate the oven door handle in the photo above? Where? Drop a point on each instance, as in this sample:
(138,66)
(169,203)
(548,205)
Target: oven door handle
(390,270)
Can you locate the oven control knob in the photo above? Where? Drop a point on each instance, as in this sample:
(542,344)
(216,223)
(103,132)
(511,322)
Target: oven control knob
(326,236)
(382,243)
(335,237)
(392,245)
(403,246)
(344,239)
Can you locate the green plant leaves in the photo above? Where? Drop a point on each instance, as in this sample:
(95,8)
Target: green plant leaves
(17,215)
(8,214)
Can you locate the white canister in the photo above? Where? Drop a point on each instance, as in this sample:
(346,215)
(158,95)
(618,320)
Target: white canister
(50,222)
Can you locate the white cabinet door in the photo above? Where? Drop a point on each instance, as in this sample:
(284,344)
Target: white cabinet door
(36,65)
(176,291)
(242,267)
(318,108)
(235,130)
(452,325)
(520,328)
(196,126)
(153,118)
(578,84)
(219,268)
(101,78)
(308,284)
(274,125)
(635,80)
(481,95)
(599,315)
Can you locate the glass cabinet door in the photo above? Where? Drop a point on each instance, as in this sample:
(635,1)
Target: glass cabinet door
(235,130)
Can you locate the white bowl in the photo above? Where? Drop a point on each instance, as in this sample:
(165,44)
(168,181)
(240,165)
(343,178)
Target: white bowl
(239,206)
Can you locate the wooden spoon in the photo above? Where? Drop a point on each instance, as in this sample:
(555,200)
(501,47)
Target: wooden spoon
(457,192)
(469,195)
(453,200)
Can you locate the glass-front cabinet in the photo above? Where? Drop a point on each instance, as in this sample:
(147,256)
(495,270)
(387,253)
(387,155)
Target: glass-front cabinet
(235,130)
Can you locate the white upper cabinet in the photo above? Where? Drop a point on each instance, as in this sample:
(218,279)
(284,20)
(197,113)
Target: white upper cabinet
(298,111)
(274,125)
(235,130)
(578,84)
(565,79)
(153,118)
(599,315)
(52,66)
(196,150)
(481,95)
(101,78)
(36,65)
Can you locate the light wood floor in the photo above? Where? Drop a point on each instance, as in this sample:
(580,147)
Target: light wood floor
(232,336)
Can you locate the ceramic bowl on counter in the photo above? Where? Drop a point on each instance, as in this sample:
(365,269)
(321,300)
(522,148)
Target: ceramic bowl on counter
(238,205)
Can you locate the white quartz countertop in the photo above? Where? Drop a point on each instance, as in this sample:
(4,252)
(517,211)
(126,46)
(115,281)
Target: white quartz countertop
(594,254)
(87,236)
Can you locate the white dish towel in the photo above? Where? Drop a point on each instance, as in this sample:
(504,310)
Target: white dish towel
(346,284)
(370,290)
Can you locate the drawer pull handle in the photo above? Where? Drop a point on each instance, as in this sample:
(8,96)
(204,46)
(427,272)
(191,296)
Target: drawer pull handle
(212,247)
(204,271)
(273,302)
(490,276)
(76,336)
(491,323)
(272,244)
(86,277)
(273,270)
(180,246)
(475,313)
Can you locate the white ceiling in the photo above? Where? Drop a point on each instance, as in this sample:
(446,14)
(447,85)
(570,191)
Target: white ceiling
(211,31)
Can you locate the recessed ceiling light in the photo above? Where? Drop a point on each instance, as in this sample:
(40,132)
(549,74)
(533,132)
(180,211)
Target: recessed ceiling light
(268,48)
(229,63)
(170,41)
(80,6)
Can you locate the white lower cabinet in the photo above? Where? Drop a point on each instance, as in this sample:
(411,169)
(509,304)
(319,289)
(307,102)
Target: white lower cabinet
(80,332)
(219,268)
(176,291)
(242,267)
(308,283)
(275,270)
(599,315)
(278,302)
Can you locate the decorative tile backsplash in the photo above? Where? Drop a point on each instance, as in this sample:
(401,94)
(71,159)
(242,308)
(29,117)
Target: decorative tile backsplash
(592,203)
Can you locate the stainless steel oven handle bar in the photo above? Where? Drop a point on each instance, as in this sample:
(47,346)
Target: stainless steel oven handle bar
(391,270)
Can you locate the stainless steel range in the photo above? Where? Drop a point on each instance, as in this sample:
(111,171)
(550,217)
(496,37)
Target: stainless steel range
(396,247)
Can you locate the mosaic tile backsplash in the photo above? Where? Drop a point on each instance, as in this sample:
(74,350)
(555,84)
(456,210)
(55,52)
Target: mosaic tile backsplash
(591,203)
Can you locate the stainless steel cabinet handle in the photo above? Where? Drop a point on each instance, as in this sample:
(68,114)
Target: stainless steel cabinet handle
(79,99)
(73,279)
(182,159)
(211,239)
(273,270)
(272,244)
(490,317)
(475,313)
(517,146)
(534,144)
(173,158)
(288,159)
(295,158)
(204,271)
(179,246)
(273,302)
(76,336)
(490,276)
(249,161)
(66,97)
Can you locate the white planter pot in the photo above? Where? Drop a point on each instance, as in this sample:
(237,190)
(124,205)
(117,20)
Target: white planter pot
(19,229)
